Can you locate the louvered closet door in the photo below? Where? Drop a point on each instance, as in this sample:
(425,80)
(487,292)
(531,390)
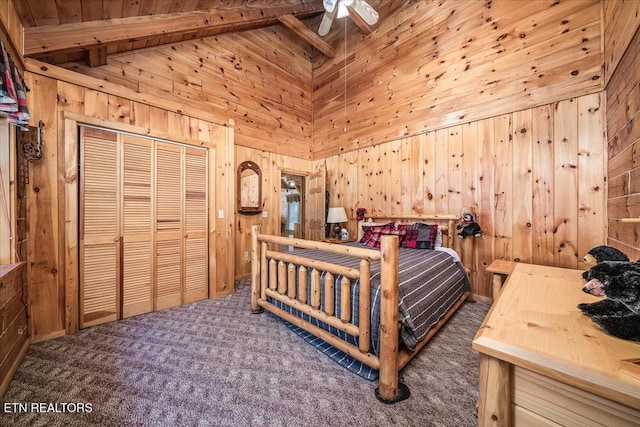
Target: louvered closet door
(144,225)
(169,226)
(196,256)
(137,226)
(100,227)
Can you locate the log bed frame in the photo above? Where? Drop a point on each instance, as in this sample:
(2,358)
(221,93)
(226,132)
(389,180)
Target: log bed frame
(273,274)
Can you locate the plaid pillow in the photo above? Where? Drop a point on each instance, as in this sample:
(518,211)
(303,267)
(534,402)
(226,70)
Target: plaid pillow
(374,239)
(368,229)
(419,236)
(373,231)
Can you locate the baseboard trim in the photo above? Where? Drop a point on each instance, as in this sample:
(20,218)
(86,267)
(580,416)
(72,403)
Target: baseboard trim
(52,335)
(477,297)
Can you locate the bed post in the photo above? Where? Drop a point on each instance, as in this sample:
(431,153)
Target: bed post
(389,390)
(255,270)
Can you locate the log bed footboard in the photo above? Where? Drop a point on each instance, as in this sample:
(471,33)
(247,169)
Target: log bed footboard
(283,277)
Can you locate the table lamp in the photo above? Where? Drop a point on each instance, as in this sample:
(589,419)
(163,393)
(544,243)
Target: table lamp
(336,216)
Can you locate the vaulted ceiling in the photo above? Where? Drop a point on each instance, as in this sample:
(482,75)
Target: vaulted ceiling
(60,31)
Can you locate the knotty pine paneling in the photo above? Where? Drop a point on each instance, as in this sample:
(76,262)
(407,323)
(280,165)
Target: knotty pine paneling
(271,166)
(48,252)
(45,266)
(431,65)
(261,79)
(536,176)
(621,19)
(623,133)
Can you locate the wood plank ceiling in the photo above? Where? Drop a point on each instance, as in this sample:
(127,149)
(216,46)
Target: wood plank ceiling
(61,31)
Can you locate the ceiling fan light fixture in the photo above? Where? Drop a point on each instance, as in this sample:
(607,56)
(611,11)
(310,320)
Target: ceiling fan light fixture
(365,16)
(342,8)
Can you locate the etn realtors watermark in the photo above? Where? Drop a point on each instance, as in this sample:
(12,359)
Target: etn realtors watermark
(43,407)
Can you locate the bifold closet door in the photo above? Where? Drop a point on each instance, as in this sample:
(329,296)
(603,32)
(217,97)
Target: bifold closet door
(144,225)
(196,255)
(137,226)
(100,227)
(169,232)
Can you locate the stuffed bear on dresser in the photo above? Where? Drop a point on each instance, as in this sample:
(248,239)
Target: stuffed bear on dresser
(619,313)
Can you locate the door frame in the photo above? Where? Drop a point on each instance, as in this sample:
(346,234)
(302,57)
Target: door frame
(314,195)
(220,237)
(302,211)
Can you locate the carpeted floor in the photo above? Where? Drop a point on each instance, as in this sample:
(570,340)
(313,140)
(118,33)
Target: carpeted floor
(213,363)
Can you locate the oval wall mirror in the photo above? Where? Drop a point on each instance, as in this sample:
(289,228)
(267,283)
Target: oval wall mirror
(249,188)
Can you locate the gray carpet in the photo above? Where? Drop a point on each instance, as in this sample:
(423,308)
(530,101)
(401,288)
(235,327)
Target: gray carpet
(213,363)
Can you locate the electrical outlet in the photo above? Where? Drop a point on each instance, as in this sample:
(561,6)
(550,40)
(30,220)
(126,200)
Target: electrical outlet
(246,255)
(265,214)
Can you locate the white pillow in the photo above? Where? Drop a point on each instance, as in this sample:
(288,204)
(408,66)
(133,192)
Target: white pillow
(438,242)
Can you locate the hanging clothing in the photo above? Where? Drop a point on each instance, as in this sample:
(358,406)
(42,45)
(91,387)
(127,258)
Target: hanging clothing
(13,92)
(21,117)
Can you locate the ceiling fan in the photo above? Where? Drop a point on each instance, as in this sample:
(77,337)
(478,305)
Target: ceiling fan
(359,11)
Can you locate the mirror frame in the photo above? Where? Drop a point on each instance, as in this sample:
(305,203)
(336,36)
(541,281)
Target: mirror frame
(249,210)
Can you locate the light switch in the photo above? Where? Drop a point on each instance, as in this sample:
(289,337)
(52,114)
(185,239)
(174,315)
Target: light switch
(265,214)
(221,214)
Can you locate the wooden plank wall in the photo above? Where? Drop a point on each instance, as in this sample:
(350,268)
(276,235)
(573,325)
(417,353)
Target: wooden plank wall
(261,79)
(434,64)
(49,100)
(620,22)
(271,166)
(536,176)
(623,128)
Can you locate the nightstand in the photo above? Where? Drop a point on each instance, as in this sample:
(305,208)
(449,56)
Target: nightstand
(501,269)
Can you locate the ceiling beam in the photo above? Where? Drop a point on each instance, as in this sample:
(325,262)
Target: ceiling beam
(305,33)
(84,35)
(97,56)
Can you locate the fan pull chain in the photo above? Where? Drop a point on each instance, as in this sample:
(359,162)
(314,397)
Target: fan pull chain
(345,75)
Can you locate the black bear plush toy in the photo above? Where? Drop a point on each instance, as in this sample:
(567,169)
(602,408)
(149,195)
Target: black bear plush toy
(619,313)
(469,226)
(600,254)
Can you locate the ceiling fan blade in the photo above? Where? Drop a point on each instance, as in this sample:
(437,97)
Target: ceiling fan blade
(327,19)
(366,12)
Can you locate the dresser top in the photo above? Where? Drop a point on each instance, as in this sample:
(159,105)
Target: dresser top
(537,325)
(9,271)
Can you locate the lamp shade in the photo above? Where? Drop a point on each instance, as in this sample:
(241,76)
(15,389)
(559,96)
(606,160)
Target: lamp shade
(337,214)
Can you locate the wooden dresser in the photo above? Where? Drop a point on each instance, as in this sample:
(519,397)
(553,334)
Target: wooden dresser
(542,362)
(14,340)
